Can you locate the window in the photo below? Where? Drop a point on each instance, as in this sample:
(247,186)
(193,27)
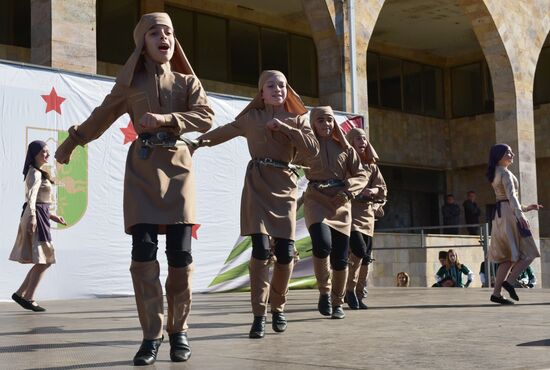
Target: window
(274,45)
(303,65)
(372,79)
(472,90)
(390,82)
(15,23)
(244,52)
(412,87)
(233,51)
(115,26)
(432,91)
(184,31)
(211,51)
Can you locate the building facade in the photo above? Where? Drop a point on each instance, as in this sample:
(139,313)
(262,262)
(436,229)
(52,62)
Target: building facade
(439,81)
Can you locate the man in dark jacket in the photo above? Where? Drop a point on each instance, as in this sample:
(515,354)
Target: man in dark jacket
(471,212)
(451,214)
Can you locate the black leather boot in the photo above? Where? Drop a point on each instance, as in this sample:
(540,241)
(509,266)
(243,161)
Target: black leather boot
(148,351)
(338,312)
(362,306)
(278,322)
(179,347)
(325,305)
(352,300)
(258,327)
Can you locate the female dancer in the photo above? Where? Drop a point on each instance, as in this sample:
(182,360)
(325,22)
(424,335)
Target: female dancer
(34,241)
(164,98)
(512,245)
(277,132)
(335,177)
(365,207)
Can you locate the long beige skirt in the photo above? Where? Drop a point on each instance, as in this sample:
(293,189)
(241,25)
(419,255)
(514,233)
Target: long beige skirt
(27,247)
(506,242)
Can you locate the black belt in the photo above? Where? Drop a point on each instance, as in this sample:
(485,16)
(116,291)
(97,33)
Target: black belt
(277,164)
(327,184)
(162,139)
(497,208)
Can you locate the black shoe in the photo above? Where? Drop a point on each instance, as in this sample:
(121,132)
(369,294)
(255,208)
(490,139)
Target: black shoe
(324,306)
(500,300)
(352,300)
(148,351)
(258,327)
(22,301)
(278,322)
(35,307)
(362,306)
(510,289)
(338,312)
(179,347)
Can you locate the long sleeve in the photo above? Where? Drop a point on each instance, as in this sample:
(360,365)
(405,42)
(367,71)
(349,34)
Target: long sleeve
(377,181)
(511,193)
(199,114)
(357,176)
(32,182)
(302,138)
(223,133)
(113,106)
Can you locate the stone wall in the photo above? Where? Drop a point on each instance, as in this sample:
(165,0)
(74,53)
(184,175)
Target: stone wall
(405,252)
(543,273)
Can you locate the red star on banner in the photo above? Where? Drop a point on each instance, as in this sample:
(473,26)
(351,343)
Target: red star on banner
(194,230)
(129,133)
(53,101)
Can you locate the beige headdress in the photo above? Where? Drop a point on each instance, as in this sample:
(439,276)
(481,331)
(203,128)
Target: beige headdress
(337,133)
(370,154)
(179,62)
(293,102)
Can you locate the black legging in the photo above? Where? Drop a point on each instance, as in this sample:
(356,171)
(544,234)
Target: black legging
(327,241)
(178,244)
(261,249)
(361,245)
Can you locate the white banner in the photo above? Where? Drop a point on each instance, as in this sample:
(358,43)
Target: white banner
(93,252)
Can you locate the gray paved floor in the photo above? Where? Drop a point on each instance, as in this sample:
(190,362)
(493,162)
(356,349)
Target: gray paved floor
(404,328)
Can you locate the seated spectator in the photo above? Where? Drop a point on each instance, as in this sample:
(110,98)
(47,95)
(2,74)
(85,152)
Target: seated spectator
(442,258)
(526,278)
(402,279)
(453,270)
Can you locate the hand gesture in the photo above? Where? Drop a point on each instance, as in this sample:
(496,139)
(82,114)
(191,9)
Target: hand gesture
(58,219)
(149,122)
(533,207)
(63,152)
(274,124)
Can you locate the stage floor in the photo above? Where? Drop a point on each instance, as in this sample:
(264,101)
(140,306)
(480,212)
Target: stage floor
(420,328)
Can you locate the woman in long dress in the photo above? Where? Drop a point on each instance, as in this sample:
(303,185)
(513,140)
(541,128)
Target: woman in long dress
(512,245)
(34,241)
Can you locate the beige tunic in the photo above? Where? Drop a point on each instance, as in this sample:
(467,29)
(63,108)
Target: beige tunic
(363,211)
(268,203)
(333,162)
(506,242)
(160,189)
(27,247)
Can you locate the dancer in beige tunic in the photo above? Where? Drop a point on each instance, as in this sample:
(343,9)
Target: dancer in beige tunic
(335,177)
(277,132)
(158,89)
(34,242)
(364,208)
(512,245)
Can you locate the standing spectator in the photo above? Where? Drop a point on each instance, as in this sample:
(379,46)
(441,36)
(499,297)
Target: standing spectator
(471,212)
(451,214)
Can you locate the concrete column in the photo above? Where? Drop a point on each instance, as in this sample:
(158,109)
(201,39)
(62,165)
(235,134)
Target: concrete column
(63,34)
(321,18)
(150,6)
(511,37)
